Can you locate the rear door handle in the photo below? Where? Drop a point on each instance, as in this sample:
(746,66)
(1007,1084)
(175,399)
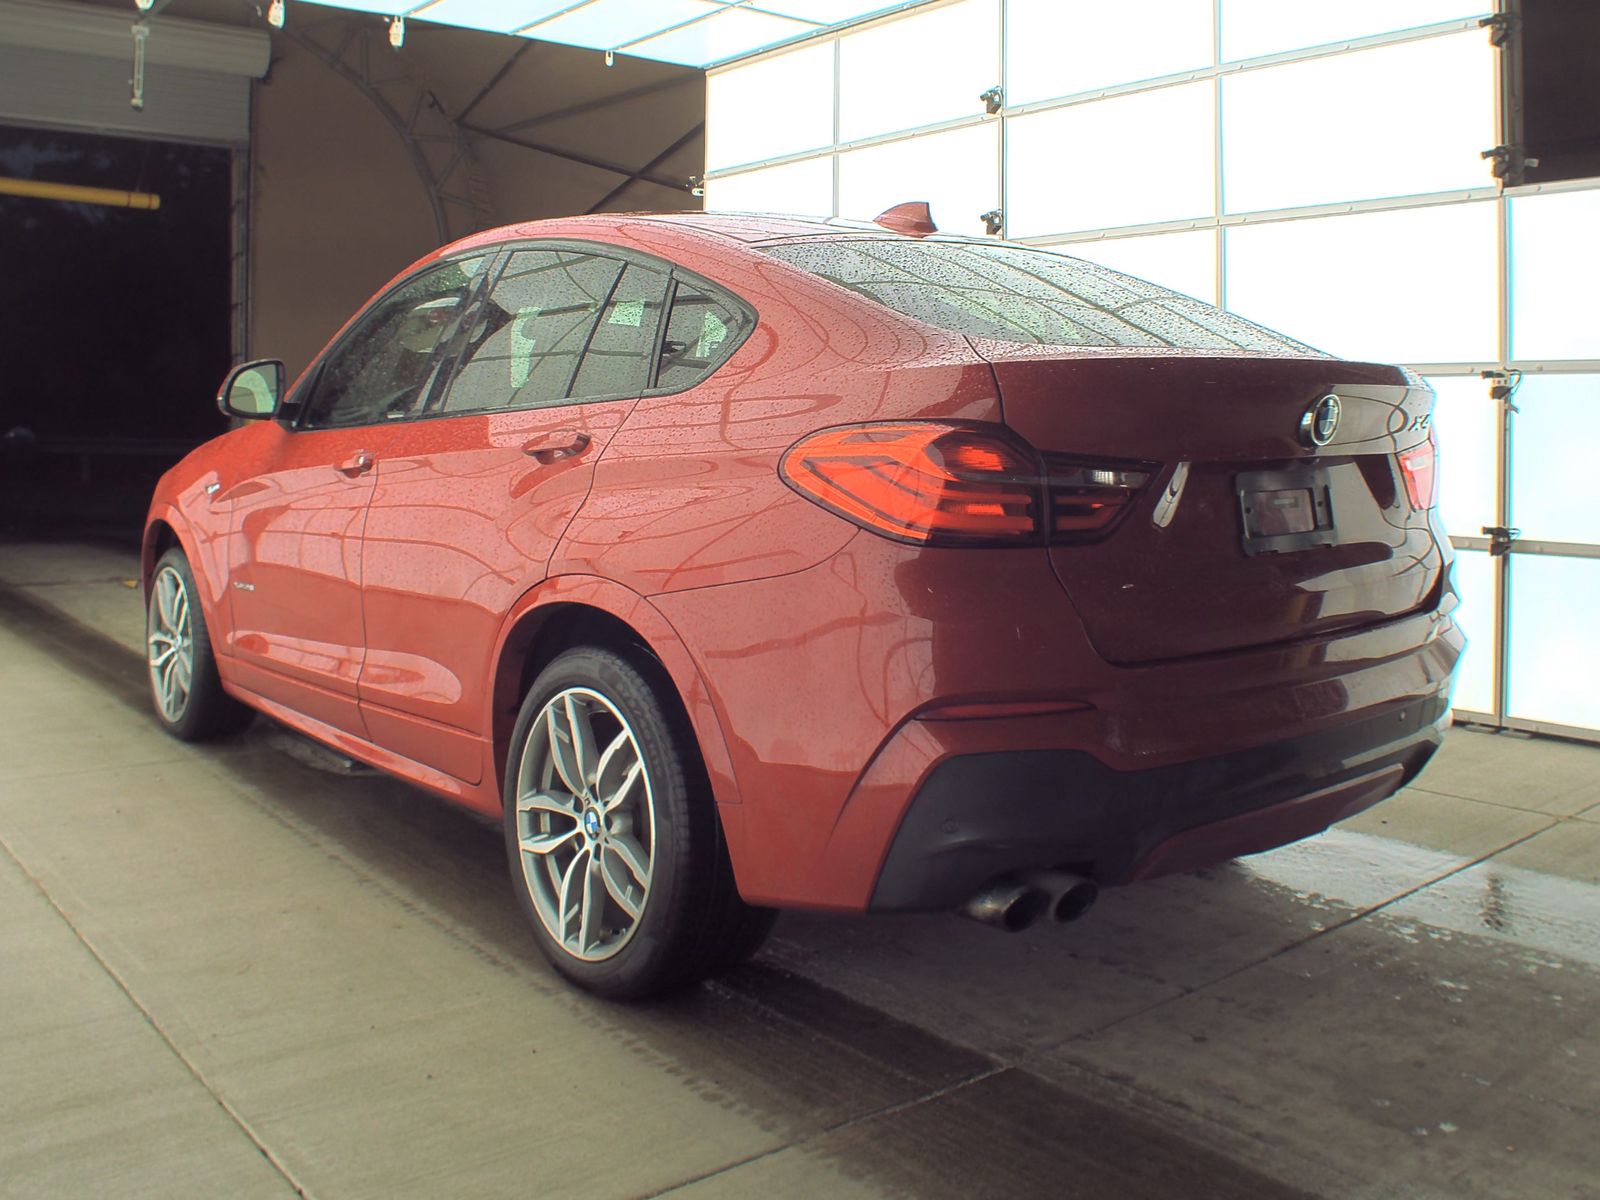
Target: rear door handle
(358,463)
(555,445)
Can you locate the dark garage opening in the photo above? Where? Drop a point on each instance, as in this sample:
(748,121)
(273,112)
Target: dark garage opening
(114,326)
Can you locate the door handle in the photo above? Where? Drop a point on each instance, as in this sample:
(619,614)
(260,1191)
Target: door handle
(555,445)
(358,463)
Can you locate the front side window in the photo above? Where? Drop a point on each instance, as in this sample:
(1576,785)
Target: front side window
(1020,294)
(385,367)
(526,347)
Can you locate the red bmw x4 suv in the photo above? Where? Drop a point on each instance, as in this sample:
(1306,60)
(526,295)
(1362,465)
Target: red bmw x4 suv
(744,562)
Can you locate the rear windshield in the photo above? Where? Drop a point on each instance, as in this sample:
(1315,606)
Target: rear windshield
(1019,294)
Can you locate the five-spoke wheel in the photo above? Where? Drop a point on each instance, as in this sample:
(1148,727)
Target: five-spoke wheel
(586,826)
(613,838)
(170,636)
(184,684)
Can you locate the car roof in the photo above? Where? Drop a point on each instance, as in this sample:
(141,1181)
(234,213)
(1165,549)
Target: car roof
(746,228)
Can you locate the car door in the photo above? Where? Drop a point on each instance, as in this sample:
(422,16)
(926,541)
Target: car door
(465,516)
(294,545)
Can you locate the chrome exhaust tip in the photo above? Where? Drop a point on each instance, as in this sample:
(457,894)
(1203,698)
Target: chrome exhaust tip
(1070,895)
(1008,904)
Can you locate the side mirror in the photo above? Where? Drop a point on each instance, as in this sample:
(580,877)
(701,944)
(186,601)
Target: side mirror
(252,391)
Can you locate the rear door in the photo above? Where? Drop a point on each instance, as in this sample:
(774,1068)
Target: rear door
(473,496)
(295,538)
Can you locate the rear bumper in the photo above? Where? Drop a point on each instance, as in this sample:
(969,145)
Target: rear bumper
(977,816)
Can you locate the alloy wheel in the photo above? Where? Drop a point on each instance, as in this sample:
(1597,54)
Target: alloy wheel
(585,824)
(170,637)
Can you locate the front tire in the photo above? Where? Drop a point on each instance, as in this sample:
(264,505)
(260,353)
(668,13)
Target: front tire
(615,848)
(184,685)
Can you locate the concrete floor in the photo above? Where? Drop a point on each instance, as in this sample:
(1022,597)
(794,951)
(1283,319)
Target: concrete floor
(225,972)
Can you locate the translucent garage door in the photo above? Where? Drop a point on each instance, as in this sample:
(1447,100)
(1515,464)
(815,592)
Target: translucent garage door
(1316,167)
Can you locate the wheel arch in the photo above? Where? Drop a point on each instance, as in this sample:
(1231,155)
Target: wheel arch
(586,610)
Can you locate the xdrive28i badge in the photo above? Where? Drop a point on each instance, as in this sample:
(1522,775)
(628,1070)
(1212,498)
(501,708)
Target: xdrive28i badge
(1320,422)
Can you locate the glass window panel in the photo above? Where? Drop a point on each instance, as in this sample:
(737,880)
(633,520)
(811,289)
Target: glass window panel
(827,12)
(524,349)
(770,108)
(699,332)
(919,70)
(386,368)
(1412,285)
(1474,576)
(496,16)
(1464,419)
(1553,658)
(1184,262)
(617,360)
(1555,260)
(1057,49)
(991,289)
(802,188)
(729,34)
(606,23)
(1394,121)
(1253,27)
(1553,441)
(957,173)
(1127,160)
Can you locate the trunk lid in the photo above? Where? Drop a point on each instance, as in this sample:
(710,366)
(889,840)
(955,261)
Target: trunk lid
(1246,533)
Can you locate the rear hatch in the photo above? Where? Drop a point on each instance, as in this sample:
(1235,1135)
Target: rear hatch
(1243,531)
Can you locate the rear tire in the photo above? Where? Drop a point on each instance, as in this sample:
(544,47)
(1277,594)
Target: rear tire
(184,686)
(615,848)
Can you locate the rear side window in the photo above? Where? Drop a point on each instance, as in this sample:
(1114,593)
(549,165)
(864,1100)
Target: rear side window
(526,345)
(701,330)
(1019,294)
(617,359)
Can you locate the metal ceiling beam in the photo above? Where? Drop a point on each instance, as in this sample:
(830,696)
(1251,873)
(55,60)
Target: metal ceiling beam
(499,77)
(581,159)
(442,156)
(589,106)
(644,171)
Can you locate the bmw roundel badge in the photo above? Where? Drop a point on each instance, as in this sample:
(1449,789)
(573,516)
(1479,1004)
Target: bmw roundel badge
(1320,422)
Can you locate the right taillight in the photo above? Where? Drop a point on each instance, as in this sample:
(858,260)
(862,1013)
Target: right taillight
(1417,469)
(935,483)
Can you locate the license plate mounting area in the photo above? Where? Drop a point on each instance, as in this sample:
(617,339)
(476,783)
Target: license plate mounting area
(1284,511)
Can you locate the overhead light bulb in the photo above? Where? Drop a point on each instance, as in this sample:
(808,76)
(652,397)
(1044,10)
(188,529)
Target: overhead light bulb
(397,32)
(611,58)
(275,14)
(144,6)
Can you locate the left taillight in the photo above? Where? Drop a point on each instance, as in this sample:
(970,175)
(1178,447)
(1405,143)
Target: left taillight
(935,483)
(1417,468)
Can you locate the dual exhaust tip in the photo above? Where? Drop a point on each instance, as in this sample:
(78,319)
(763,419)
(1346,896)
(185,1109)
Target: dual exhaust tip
(1014,902)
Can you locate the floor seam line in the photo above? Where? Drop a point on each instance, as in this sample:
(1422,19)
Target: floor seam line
(233,1114)
(887,1110)
(1309,939)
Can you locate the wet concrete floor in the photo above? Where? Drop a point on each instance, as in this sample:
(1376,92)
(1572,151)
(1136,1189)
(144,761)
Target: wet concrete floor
(232,971)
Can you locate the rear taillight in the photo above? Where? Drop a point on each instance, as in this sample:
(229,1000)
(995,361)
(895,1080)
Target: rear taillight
(1417,468)
(935,483)
(1086,500)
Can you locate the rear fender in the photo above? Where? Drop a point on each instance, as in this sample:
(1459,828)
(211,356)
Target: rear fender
(659,637)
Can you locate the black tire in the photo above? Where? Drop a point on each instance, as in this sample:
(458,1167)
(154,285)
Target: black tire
(177,640)
(689,920)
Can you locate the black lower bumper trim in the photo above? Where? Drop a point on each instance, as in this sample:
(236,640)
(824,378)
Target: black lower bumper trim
(981,815)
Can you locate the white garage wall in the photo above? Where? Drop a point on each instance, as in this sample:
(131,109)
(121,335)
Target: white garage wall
(1316,167)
